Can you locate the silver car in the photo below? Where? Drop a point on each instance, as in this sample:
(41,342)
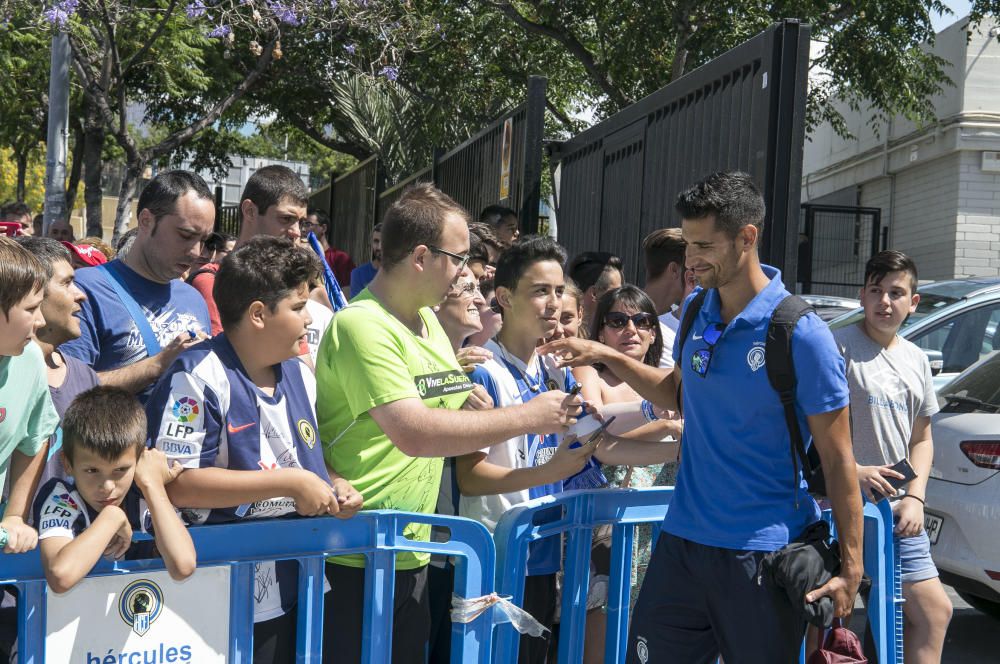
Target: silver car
(962,517)
(955,324)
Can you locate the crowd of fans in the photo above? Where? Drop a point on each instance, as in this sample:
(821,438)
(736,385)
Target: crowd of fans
(186,377)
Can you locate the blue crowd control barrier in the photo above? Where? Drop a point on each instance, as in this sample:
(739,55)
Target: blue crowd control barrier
(581,511)
(376,534)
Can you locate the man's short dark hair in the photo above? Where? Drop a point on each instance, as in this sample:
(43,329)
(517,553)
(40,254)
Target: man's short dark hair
(591,267)
(14,210)
(21,274)
(888,261)
(532,249)
(417,218)
(47,251)
(161,194)
(731,197)
(272,184)
(107,421)
(661,248)
(265,269)
(322,218)
(493,215)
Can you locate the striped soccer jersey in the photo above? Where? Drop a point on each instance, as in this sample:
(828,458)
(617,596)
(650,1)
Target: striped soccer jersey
(206,412)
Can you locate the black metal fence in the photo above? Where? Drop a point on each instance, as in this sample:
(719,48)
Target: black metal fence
(835,242)
(743,110)
(227,219)
(502,164)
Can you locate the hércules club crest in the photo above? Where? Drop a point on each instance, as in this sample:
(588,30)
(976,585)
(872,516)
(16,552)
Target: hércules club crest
(140,605)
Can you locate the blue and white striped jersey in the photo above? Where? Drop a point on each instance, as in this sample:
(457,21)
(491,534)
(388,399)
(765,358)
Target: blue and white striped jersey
(206,412)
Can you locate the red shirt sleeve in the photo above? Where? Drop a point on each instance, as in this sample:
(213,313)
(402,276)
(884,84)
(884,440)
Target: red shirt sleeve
(203,283)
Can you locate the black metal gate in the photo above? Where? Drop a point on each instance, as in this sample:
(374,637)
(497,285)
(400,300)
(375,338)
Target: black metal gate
(472,173)
(835,242)
(744,110)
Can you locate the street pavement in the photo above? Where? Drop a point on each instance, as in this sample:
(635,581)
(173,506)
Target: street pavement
(973,636)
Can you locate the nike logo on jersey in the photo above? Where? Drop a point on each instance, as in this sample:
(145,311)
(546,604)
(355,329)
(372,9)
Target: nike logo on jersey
(695,337)
(231,429)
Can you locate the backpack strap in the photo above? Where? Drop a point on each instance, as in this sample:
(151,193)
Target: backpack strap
(117,283)
(694,306)
(781,375)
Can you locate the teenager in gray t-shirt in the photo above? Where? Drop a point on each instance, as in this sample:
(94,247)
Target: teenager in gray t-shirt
(892,399)
(890,388)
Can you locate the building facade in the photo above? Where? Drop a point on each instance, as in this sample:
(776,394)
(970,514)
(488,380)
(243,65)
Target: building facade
(937,186)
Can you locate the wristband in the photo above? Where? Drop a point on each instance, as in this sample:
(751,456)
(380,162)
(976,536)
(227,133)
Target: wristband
(910,495)
(647,411)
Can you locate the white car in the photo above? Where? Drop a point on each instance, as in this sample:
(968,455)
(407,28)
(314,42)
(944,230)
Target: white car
(962,517)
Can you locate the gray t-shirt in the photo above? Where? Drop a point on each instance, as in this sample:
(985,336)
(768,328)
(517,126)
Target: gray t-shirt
(890,388)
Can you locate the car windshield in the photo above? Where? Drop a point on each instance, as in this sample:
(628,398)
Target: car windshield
(976,390)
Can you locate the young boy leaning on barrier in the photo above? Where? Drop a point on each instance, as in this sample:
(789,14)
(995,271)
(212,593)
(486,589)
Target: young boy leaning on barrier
(238,411)
(117,486)
(27,417)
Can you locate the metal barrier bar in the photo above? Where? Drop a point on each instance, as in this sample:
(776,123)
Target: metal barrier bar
(623,509)
(377,534)
(582,511)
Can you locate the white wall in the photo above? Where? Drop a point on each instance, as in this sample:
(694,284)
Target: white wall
(977,239)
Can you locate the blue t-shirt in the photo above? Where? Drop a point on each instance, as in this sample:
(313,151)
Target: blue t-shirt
(360,278)
(109,337)
(509,382)
(206,412)
(734,489)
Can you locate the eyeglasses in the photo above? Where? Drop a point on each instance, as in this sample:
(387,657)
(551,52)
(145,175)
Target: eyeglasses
(702,358)
(463,260)
(470,289)
(616,320)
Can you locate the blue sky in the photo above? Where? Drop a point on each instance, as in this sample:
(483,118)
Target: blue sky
(960,9)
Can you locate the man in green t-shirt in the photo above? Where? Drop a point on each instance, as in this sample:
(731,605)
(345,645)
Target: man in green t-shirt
(27,417)
(389,407)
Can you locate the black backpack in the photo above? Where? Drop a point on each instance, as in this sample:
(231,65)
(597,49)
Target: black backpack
(781,375)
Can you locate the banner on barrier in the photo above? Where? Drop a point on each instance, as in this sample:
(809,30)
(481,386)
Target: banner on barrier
(141,618)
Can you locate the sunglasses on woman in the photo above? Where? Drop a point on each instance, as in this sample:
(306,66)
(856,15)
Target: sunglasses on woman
(616,320)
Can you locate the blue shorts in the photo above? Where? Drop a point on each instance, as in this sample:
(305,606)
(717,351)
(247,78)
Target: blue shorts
(915,560)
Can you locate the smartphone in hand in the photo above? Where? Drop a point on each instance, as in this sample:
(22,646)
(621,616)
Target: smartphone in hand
(906,470)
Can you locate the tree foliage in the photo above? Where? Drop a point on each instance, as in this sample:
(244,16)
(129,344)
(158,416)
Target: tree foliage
(185,66)
(605,55)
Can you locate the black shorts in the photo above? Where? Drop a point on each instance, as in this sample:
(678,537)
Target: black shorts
(274,640)
(343,616)
(699,601)
(540,602)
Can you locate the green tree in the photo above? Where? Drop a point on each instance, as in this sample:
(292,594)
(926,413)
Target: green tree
(873,51)
(185,66)
(23,97)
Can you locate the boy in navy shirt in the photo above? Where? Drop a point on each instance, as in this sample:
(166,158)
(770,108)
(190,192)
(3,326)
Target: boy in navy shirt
(238,412)
(117,486)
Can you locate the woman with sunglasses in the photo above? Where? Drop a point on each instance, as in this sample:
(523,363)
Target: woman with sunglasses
(625,319)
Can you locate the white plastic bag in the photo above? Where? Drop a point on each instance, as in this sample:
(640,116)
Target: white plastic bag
(467,610)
